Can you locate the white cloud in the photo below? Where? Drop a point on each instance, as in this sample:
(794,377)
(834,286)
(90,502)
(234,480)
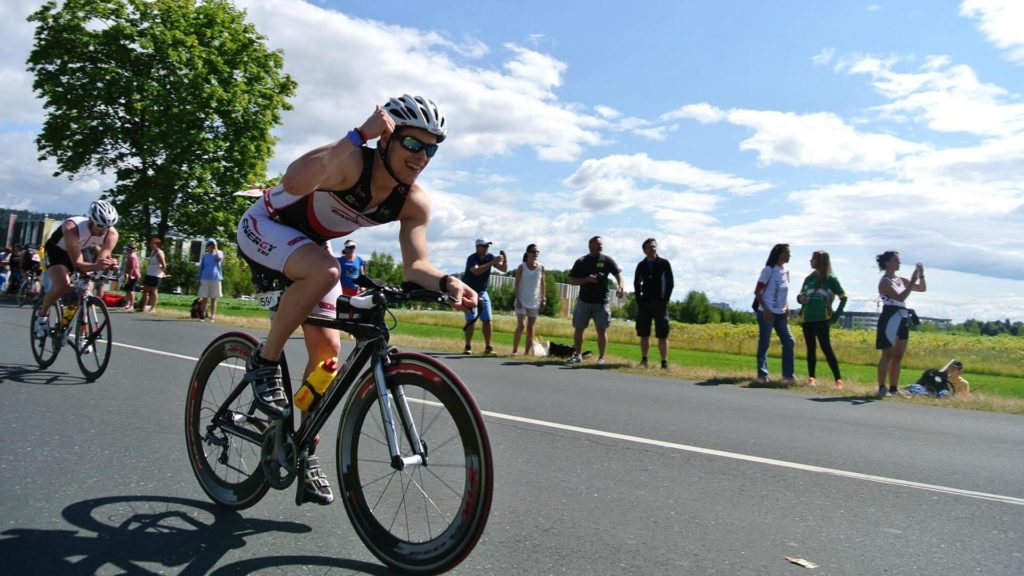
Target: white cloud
(824,57)
(944,97)
(703,112)
(819,139)
(491,110)
(1002,22)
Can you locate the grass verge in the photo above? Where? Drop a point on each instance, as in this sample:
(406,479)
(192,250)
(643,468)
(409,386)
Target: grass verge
(689,357)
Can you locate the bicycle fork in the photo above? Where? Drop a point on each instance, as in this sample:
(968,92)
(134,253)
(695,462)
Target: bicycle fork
(419,454)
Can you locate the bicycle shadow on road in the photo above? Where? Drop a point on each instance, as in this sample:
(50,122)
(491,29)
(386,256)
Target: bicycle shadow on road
(135,533)
(32,374)
(852,400)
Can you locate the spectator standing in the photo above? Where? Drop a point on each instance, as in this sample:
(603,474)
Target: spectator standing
(352,267)
(820,288)
(591,274)
(652,285)
(210,278)
(772,299)
(130,272)
(893,332)
(156,271)
(529,291)
(478,276)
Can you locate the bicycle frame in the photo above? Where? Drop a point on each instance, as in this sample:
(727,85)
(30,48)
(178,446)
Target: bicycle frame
(370,351)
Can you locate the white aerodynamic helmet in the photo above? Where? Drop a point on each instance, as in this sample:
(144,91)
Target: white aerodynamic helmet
(102,214)
(418,112)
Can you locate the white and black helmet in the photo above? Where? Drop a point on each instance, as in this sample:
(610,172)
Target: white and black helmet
(418,112)
(102,214)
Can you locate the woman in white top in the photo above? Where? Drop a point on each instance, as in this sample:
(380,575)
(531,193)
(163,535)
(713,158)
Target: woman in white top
(894,321)
(529,291)
(156,271)
(772,298)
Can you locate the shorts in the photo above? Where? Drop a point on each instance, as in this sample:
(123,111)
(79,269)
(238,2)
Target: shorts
(57,256)
(893,325)
(527,312)
(209,289)
(482,310)
(266,245)
(584,311)
(129,285)
(152,281)
(656,311)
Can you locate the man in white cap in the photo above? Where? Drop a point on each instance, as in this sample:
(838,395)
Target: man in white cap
(352,267)
(210,278)
(477,276)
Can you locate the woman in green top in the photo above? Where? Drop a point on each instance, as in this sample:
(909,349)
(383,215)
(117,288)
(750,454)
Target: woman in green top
(816,296)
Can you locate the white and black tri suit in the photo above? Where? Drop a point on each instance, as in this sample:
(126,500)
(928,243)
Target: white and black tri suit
(279,223)
(56,249)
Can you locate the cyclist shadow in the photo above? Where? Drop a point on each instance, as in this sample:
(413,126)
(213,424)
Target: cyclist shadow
(32,374)
(136,532)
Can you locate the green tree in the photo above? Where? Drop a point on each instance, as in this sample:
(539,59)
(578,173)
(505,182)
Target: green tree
(552,304)
(383,267)
(181,273)
(237,275)
(176,97)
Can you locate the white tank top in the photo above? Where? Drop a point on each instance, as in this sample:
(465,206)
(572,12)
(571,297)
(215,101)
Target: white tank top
(529,286)
(85,237)
(897,285)
(153,268)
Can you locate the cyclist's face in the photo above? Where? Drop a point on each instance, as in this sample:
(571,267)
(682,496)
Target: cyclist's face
(408,163)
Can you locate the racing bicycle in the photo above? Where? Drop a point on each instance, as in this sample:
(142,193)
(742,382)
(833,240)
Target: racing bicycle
(413,457)
(78,317)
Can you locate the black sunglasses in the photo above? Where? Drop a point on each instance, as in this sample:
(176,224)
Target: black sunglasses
(414,145)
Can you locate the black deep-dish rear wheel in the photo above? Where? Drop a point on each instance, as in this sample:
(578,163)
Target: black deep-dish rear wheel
(93,337)
(45,348)
(224,450)
(424,519)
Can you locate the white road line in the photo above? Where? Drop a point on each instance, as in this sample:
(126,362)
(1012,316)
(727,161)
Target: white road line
(708,451)
(760,460)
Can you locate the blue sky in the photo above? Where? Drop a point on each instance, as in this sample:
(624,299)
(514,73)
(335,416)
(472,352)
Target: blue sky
(718,128)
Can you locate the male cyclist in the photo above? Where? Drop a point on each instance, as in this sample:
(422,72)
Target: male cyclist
(330,192)
(64,252)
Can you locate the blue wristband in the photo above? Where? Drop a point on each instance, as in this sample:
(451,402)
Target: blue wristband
(354,137)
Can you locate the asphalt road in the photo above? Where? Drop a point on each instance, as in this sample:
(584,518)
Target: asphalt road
(597,473)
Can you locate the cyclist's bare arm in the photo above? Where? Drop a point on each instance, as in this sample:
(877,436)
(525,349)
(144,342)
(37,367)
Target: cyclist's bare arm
(337,165)
(103,257)
(416,266)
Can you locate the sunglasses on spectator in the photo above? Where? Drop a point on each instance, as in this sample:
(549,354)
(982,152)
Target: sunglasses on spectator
(414,145)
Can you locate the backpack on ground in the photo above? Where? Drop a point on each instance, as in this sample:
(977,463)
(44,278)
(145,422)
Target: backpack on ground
(936,382)
(198,311)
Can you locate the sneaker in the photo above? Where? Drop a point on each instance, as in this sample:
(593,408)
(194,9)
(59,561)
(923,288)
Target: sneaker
(315,487)
(574,359)
(840,385)
(811,381)
(882,392)
(267,387)
(893,390)
(643,362)
(664,364)
(763,378)
(600,361)
(489,351)
(467,351)
(212,320)
(87,349)
(41,327)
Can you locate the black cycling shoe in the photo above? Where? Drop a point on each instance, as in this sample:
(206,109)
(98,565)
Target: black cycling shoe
(267,386)
(315,488)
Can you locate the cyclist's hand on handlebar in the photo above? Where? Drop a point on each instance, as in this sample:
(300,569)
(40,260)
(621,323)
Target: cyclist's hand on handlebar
(462,297)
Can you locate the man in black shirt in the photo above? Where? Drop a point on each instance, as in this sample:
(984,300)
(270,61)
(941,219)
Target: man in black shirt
(652,286)
(591,273)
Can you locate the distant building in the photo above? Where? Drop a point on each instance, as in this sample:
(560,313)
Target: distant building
(869,321)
